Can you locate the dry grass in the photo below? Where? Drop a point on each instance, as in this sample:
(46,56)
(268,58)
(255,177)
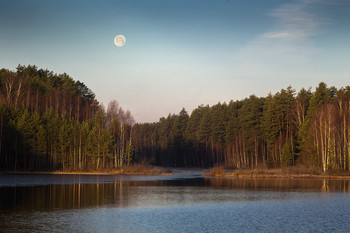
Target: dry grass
(216,171)
(139,169)
(287,172)
(298,170)
(293,172)
(275,173)
(136,169)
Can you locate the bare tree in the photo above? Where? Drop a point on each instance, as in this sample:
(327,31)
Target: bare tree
(13,89)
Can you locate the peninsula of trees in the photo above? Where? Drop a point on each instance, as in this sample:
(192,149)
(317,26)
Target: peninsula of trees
(52,122)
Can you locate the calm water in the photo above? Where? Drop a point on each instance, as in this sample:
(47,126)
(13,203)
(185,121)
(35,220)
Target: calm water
(186,202)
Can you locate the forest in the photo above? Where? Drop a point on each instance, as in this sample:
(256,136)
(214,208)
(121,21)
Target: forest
(50,121)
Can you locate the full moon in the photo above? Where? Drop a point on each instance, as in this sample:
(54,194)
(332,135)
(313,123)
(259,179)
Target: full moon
(119,40)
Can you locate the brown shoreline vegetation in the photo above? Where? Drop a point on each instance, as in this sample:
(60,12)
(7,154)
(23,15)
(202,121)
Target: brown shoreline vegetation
(136,169)
(287,172)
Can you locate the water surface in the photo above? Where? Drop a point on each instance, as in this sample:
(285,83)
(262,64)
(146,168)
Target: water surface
(185,202)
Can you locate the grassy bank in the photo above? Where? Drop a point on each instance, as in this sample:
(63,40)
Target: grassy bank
(288,172)
(136,169)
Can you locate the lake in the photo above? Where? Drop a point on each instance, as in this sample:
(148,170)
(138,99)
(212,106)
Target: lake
(185,202)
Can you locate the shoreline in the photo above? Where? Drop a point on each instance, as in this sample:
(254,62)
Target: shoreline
(283,176)
(275,174)
(88,173)
(157,171)
(132,171)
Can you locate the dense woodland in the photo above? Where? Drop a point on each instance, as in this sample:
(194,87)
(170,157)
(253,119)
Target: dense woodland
(52,122)
(307,128)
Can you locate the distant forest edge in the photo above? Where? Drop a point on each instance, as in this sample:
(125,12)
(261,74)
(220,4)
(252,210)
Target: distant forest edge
(51,122)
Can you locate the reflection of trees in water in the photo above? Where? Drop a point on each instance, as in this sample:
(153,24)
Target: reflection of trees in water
(135,193)
(292,184)
(53,197)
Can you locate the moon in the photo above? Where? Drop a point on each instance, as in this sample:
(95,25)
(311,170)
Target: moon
(119,40)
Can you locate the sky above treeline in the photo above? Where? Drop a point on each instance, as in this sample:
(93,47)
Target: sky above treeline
(181,53)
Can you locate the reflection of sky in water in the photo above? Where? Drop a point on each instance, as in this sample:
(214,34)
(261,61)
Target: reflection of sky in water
(11,180)
(312,213)
(185,202)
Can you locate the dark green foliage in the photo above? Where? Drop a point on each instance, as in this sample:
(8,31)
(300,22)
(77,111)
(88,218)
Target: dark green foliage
(287,156)
(219,123)
(272,132)
(50,121)
(205,127)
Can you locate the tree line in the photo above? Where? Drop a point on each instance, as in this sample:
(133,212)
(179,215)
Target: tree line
(50,121)
(281,129)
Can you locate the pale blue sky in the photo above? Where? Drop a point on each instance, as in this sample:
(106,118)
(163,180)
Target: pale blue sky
(180,53)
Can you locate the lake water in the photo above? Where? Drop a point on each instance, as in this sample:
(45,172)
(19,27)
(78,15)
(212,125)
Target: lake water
(185,202)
